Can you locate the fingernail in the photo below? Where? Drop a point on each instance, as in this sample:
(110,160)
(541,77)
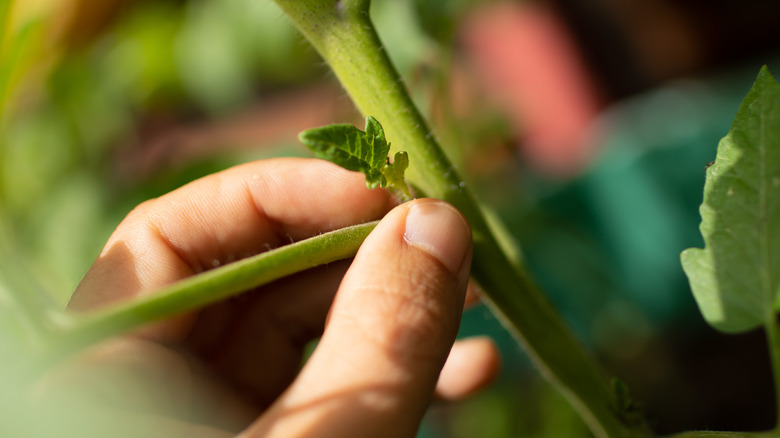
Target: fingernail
(440,230)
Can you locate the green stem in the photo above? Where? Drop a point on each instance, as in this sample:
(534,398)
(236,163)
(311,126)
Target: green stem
(343,34)
(80,331)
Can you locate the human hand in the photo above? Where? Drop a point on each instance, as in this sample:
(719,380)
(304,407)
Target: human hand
(235,365)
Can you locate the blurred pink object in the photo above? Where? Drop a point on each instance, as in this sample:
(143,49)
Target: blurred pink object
(531,67)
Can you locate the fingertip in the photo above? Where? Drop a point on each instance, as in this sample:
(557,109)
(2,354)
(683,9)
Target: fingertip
(472,365)
(473,294)
(440,230)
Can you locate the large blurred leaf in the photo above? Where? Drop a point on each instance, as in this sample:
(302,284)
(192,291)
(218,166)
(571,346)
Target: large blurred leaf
(141,59)
(226,47)
(25,308)
(736,277)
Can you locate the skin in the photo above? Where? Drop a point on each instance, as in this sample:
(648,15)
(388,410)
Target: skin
(387,319)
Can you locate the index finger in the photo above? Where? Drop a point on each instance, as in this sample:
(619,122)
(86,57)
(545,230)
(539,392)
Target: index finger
(223,217)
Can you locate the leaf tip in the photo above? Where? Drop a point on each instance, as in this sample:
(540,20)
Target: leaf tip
(765,77)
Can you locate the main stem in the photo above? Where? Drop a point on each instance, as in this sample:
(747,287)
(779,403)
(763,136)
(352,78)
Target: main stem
(343,34)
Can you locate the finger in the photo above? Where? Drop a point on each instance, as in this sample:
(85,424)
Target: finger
(473,294)
(231,379)
(471,366)
(390,330)
(234,337)
(223,217)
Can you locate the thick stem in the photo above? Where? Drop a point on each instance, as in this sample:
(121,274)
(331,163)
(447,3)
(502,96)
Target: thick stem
(192,293)
(344,36)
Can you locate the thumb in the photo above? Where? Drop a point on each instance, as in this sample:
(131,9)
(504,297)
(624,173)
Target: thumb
(391,327)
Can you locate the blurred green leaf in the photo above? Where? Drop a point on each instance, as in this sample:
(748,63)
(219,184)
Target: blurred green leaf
(440,18)
(141,59)
(209,60)
(25,307)
(227,47)
(67,233)
(17,329)
(407,45)
(19,44)
(736,277)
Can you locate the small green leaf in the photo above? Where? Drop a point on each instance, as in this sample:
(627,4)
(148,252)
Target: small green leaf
(375,135)
(361,151)
(351,148)
(736,277)
(394,174)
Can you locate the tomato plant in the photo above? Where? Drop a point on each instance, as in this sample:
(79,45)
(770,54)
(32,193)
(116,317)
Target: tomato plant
(734,278)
